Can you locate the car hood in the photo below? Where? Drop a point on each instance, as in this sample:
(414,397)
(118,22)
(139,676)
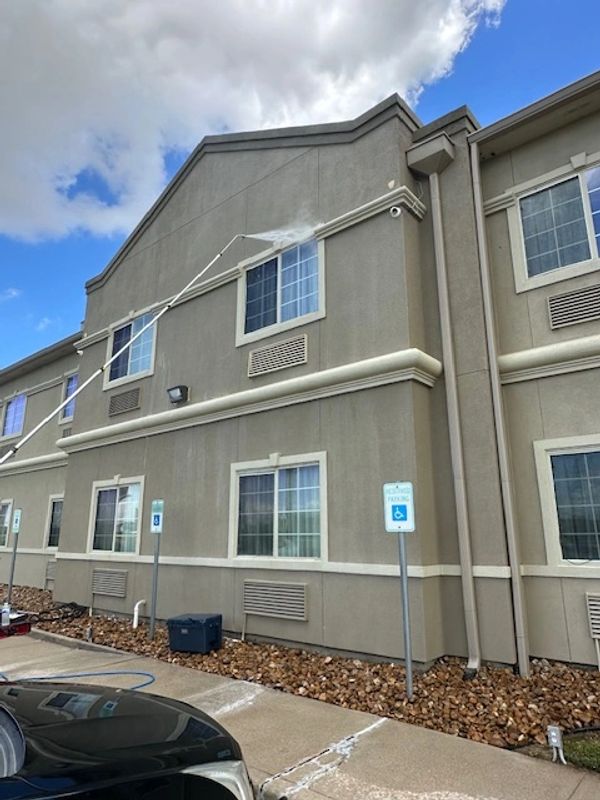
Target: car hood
(80,735)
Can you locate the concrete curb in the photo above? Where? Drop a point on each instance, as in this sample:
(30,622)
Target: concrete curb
(79,644)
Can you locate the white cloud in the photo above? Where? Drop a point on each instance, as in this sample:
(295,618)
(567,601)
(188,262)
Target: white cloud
(107,87)
(43,324)
(9,294)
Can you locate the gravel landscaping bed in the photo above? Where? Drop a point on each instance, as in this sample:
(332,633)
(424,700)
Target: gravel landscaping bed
(496,707)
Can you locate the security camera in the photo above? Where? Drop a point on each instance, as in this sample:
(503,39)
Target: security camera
(395,212)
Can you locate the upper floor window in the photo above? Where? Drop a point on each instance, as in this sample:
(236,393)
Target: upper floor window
(14,416)
(560,225)
(136,359)
(116,522)
(70,386)
(283,292)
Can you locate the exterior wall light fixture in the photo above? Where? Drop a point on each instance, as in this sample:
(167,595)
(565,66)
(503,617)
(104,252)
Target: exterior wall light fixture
(178,394)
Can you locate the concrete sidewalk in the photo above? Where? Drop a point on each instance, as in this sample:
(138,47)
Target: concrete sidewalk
(307,750)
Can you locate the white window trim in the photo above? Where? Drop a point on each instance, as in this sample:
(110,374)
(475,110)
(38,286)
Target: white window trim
(107,384)
(111,483)
(65,420)
(276,461)
(10,502)
(523,282)
(241,337)
(7,400)
(51,499)
(543,449)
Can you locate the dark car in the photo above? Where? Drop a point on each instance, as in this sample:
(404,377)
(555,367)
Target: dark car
(90,742)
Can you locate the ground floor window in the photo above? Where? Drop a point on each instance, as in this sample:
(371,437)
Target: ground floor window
(5,507)
(54,523)
(116,521)
(280,509)
(576,478)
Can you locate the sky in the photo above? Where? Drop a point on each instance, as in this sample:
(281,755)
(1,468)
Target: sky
(106,98)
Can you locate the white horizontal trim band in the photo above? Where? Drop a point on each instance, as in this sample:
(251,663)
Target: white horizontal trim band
(34,464)
(283,565)
(405,365)
(553,359)
(579,571)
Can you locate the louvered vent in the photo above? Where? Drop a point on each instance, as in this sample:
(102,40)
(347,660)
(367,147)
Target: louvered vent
(289,353)
(125,401)
(111,582)
(593,608)
(51,569)
(573,307)
(270,599)
(67,432)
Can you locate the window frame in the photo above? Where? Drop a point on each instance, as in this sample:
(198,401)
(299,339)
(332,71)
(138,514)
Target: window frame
(274,462)
(543,450)
(6,437)
(241,337)
(53,498)
(523,281)
(129,378)
(115,483)
(10,502)
(64,420)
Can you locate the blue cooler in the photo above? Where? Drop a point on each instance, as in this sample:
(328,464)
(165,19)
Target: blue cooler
(195,633)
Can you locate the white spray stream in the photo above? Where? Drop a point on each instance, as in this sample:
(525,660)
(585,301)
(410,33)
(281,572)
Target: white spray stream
(280,237)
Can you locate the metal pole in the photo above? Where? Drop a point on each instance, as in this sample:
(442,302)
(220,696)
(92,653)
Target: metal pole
(154,584)
(13,561)
(406,616)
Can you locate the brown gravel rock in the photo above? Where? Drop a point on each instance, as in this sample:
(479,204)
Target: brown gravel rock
(496,707)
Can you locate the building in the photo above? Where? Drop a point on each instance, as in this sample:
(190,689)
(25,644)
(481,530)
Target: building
(432,316)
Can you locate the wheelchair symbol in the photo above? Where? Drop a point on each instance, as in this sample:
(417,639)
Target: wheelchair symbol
(399,513)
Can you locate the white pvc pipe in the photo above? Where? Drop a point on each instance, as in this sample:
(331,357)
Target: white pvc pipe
(16,447)
(136,612)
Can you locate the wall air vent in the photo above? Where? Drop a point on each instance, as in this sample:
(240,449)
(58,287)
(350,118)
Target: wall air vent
(123,402)
(593,609)
(110,582)
(571,308)
(66,432)
(289,353)
(271,599)
(50,571)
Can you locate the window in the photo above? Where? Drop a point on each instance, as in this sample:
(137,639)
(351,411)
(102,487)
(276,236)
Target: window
(117,518)
(70,386)
(283,290)
(561,224)
(279,511)
(138,358)
(56,509)
(576,479)
(5,508)
(14,416)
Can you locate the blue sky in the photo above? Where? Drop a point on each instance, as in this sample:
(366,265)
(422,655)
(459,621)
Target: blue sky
(45,260)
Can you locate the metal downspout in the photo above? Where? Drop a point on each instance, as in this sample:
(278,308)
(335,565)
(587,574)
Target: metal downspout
(522,643)
(456,445)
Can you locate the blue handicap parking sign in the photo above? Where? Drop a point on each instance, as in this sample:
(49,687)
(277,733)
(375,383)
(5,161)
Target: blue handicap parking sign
(399,513)
(156,520)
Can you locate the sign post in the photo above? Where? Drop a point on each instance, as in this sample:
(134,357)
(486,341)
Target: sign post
(399,512)
(16,527)
(156,527)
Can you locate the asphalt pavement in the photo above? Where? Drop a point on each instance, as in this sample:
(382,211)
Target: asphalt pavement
(307,750)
